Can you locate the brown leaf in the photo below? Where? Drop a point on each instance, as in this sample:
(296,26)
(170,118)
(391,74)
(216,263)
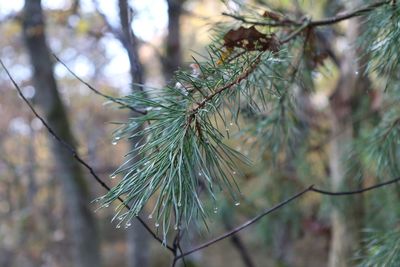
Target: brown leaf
(272,15)
(251,39)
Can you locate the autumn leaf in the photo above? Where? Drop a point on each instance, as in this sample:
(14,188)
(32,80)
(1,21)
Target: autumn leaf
(251,39)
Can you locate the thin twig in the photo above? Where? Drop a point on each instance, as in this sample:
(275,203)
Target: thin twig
(354,192)
(314,23)
(246,224)
(333,20)
(282,23)
(311,188)
(97,91)
(295,33)
(349,15)
(218,91)
(73,152)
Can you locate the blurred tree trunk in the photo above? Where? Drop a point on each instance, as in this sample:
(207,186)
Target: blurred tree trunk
(173,56)
(31,168)
(137,237)
(347,214)
(82,227)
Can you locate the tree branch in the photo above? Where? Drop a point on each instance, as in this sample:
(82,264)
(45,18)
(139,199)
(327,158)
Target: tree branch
(218,91)
(97,91)
(74,153)
(282,204)
(313,23)
(246,224)
(348,15)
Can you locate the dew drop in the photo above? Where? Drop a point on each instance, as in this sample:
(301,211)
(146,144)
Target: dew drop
(150,216)
(128,224)
(118,226)
(114,143)
(356,73)
(157,224)
(176,227)
(113,176)
(231,123)
(200,174)
(237,204)
(215,210)
(233,172)
(107,205)
(226,129)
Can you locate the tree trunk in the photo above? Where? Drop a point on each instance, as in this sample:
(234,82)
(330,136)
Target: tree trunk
(137,237)
(173,56)
(82,228)
(347,213)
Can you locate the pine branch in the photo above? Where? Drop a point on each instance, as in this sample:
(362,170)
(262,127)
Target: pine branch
(218,91)
(74,153)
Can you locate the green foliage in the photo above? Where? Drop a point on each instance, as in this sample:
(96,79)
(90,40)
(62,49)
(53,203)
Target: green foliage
(380,41)
(183,152)
(183,160)
(382,249)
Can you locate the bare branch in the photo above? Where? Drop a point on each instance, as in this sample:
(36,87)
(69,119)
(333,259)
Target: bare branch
(284,203)
(246,224)
(97,91)
(354,192)
(314,23)
(74,153)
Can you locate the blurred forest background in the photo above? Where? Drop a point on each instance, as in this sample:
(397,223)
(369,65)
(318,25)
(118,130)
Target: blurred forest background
(46,215)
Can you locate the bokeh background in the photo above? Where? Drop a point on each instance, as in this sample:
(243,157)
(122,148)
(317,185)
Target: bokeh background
(86,36)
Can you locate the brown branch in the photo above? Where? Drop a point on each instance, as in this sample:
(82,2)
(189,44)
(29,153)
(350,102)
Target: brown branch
(311,188)
(283,23)
(348,15)
(354,192)
(246,224)
(218,91)
(314,23)
(74,153)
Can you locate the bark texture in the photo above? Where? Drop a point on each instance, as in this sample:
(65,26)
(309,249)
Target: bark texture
(80,221)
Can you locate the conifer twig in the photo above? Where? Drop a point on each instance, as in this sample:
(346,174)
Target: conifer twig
(218,91)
